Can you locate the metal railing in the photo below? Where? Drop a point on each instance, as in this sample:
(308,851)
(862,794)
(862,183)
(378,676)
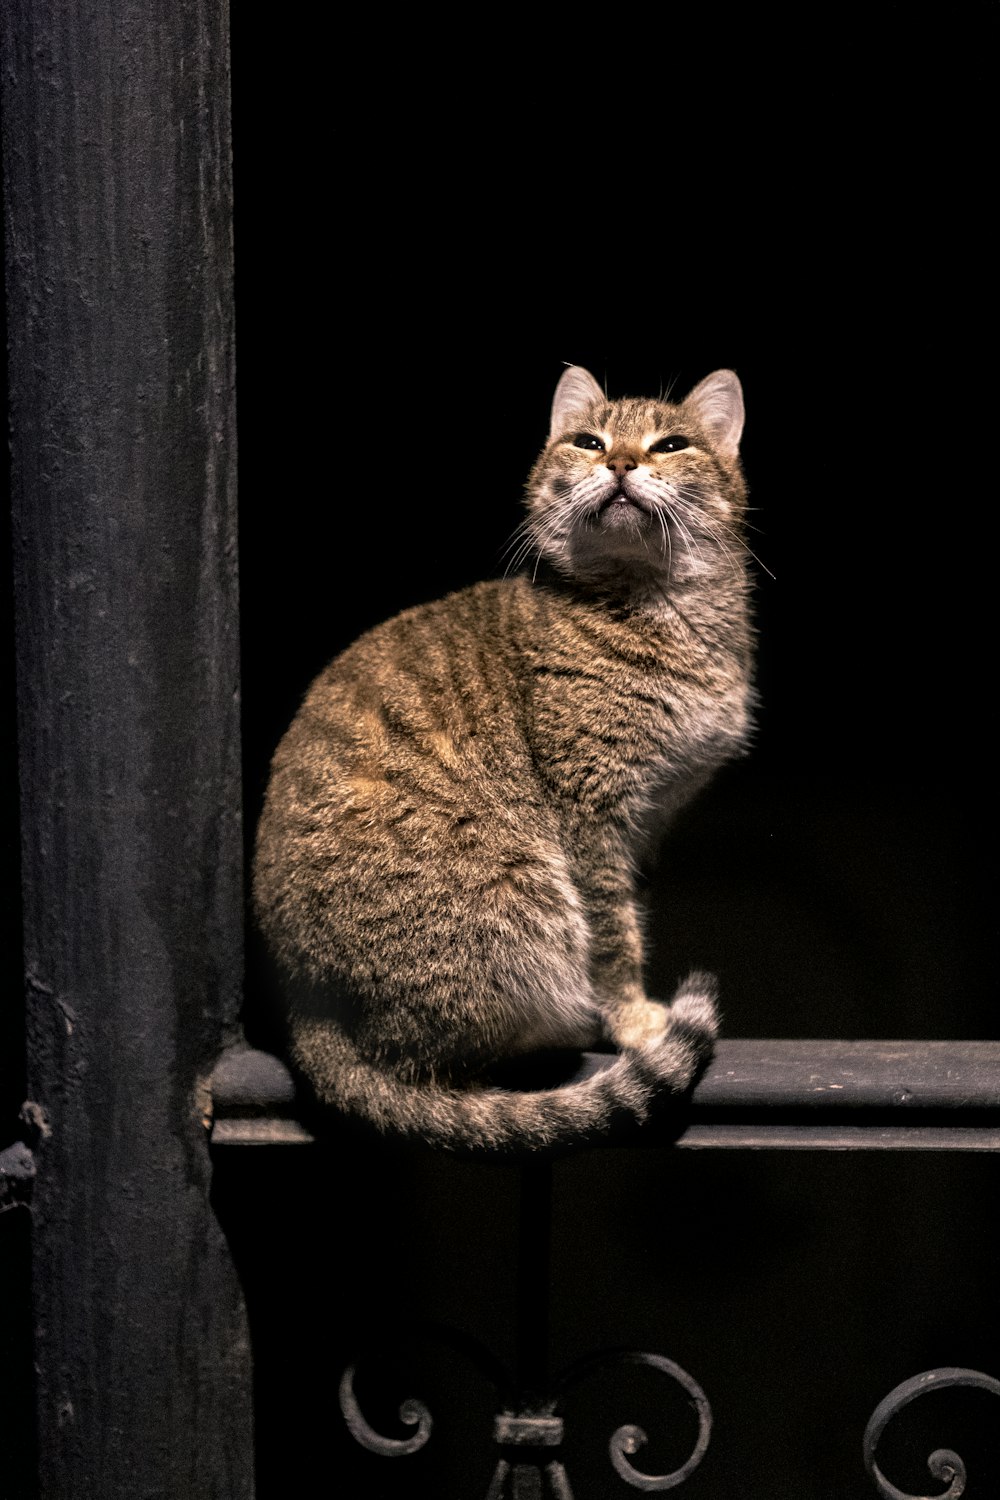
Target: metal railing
(755,1095)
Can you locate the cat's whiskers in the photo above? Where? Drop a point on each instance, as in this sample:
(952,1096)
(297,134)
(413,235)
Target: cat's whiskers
(519,531)
(731,530)
(667,549)
(751,553)
(685,532)
(742,543)
(537,533)
(518,546)
(533,534)
(709,531)
(524,551)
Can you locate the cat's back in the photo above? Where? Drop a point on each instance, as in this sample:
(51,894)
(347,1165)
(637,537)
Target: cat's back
(436,677)
(506,679)
(419,724)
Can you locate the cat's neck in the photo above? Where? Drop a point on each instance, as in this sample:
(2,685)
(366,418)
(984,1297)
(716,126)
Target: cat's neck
(651,597)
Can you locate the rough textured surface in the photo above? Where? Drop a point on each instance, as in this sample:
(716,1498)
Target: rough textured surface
(117,169)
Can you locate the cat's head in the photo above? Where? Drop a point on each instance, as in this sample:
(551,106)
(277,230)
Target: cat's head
(640,491)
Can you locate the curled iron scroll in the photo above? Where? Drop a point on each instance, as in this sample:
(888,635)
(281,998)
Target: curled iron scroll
(627,1440)
(943,1464)
(411,1413)
(414,1413)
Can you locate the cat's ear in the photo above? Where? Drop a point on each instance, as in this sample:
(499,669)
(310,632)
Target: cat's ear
(717,402)
(576,393)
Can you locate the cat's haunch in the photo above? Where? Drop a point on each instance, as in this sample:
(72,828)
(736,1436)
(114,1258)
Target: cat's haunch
(444,871)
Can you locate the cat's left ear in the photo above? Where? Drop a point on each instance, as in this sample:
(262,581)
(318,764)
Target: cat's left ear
(576,393)
(717,402)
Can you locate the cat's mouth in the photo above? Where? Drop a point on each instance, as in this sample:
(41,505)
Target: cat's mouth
(621,501)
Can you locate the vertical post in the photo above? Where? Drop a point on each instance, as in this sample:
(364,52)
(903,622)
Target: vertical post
(119,243)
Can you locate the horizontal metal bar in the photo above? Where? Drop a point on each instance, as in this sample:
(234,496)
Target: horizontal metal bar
(782,1137)
(758,1137)
(247,1131)
(755,1095)
(837,1074)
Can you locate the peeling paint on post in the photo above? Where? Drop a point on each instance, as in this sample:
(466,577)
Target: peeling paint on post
(119,254)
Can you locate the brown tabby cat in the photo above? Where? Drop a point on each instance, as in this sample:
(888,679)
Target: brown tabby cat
(444,866)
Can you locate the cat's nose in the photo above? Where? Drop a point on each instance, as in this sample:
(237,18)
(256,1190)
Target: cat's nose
(620,463)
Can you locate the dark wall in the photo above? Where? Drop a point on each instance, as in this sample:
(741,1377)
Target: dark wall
(806,208)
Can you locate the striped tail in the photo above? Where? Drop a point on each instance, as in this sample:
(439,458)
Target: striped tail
(481,1118)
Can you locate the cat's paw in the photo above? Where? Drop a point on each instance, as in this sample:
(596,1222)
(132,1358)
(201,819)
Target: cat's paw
(641,1023)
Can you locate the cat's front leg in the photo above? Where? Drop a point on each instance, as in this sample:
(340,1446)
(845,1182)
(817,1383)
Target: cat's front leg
(630,1017)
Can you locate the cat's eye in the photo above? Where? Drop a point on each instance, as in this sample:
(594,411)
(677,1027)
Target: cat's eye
(588,440)
(670,444)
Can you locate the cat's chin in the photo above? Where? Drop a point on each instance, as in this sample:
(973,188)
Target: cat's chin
(622,518)
(624,531)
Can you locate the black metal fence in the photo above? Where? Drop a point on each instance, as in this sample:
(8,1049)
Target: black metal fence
(755,1096)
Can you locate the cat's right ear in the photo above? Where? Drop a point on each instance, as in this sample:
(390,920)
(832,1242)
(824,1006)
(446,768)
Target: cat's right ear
(576,393)
(717,402)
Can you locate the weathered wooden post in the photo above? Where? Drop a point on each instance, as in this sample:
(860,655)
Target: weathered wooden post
(119,263)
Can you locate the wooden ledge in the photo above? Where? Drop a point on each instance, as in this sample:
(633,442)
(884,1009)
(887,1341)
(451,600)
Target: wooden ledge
(755,1095)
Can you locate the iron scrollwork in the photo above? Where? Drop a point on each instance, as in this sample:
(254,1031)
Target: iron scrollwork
(626,1441)
(944,1465)
(411,1414)
(526,1435)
